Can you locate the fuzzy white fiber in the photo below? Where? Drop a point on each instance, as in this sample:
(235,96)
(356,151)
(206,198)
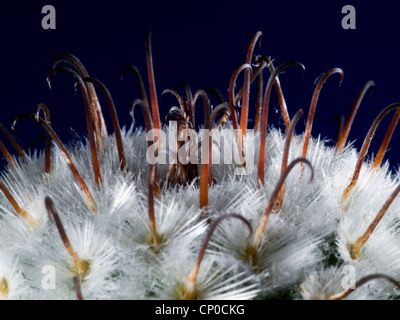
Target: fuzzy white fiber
(303,250)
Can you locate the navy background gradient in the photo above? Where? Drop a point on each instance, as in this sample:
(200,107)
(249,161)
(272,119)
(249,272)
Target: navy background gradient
(201,42)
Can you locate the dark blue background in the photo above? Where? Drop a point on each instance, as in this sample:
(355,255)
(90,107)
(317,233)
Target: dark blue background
(201,42)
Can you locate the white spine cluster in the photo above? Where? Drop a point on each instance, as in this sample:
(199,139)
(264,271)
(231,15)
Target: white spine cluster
(304,247)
